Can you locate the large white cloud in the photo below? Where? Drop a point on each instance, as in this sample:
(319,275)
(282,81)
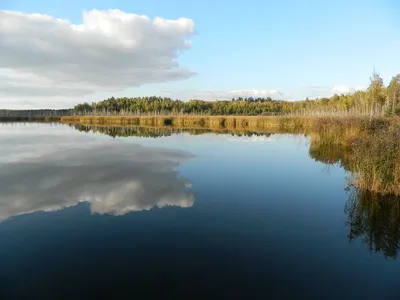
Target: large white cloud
(44,56)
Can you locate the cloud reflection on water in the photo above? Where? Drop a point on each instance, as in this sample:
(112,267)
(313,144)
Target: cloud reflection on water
(115,178)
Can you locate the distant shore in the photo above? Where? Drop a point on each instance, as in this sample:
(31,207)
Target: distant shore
(29,119)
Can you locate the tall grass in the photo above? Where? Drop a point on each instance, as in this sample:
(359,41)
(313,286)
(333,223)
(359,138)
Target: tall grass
(377,161)
(370,149)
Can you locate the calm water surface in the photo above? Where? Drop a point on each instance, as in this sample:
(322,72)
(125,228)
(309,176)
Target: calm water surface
(209,216)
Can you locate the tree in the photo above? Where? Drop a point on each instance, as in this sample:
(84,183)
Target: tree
(393,91)
(376,91)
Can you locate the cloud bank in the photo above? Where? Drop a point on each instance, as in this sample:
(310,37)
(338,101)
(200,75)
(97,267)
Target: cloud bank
(329,91)
(345,89)
(228,95)
(43,56)
(225,95)
(114,177)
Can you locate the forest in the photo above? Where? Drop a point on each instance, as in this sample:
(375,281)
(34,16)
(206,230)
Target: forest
(376,100)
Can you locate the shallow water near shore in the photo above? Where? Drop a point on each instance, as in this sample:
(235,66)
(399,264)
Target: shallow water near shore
(186,216)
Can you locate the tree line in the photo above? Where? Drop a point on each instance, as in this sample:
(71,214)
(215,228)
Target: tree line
(376,100)
(20,113)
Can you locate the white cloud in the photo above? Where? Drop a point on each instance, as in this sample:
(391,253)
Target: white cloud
(224,95)
(341,89)
(42,56)
(360,88)
(228,95)
(328,91)
(345,89)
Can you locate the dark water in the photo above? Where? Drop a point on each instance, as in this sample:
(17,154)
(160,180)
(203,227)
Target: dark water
(83,215)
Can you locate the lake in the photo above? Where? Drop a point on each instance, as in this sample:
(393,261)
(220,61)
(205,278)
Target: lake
(84,214)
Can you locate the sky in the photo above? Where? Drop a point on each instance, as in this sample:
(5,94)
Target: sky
(55,54)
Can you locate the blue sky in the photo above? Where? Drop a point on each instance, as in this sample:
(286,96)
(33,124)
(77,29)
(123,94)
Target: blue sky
(298,48)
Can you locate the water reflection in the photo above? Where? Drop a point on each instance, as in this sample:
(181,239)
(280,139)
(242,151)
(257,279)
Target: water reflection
(375,220)
(372,218)
(115,178)
(267,221)
(155,132)
(330,154)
